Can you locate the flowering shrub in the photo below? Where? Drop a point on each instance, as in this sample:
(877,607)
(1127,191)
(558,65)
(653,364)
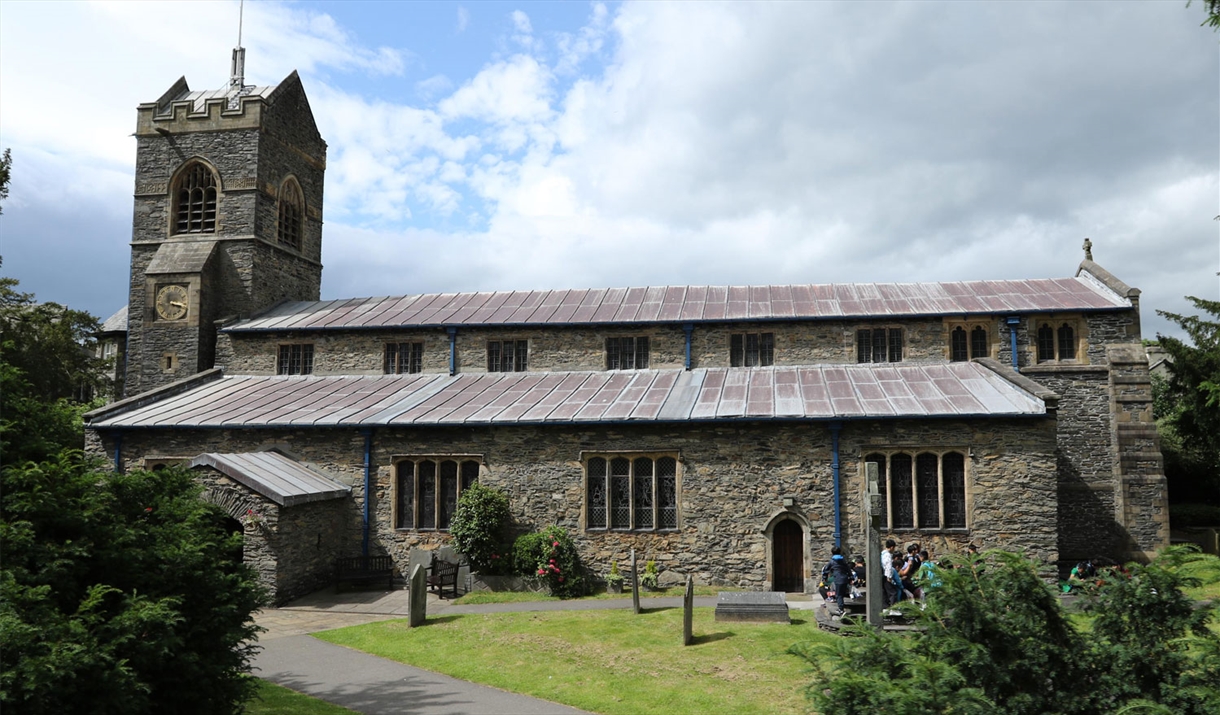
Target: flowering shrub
(551,556)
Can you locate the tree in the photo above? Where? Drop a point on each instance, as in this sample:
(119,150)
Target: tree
(1192,396)
(47,363)
(1212,7)
(6,168)
(994,638)
(120,593)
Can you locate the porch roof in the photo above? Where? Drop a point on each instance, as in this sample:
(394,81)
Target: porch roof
(275,476)
(814,392)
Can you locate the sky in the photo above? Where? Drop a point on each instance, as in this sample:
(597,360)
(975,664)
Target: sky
(532,145)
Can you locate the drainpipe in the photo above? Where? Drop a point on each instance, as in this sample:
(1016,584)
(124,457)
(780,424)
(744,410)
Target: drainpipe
(118,452)
(368,449)
(834,466)
(688,328)
(452,350)
(1013,322)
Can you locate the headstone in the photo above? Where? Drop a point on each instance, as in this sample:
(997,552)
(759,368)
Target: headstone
(418,597)
(872,547)
(688,611)
(763,606)
(635,585)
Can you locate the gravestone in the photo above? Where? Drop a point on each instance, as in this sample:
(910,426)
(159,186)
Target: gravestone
(761,606)
(872,547)
(688,611)
(418,597)
(635,585)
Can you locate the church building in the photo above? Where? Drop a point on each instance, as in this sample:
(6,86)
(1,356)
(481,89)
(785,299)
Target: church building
(719,430)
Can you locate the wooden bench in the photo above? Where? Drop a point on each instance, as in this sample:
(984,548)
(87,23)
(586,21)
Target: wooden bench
(364,569)
(442,572)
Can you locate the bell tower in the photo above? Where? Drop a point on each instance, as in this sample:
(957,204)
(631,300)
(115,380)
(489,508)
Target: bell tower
(227,221)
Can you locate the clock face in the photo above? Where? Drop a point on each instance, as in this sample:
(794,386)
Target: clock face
(172,302)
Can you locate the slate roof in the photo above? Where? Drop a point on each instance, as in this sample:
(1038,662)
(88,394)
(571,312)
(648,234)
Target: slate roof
(275,476)
(818,392)
(180,257)
(116,323)
(678,304)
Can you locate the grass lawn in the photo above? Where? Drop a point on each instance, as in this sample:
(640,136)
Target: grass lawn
(273,699)
(608,661)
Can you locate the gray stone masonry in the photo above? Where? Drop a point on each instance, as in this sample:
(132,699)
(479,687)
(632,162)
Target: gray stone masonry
(733,479)
(252,151)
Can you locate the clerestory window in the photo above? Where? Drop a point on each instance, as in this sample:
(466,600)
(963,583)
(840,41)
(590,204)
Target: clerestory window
(404,358)
(195,200)
(627,353)
(508,355)
(1056,341)
(295,359)
(879,345)
(751,349)
(968,343)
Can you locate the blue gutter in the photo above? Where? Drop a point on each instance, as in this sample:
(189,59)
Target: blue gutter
(368,448)
(118,451)
(1013,321)
(834,466)
(452,350)
(688,328)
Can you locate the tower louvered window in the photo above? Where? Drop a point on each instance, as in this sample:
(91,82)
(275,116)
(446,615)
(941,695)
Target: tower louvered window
(195,201)
(292,214)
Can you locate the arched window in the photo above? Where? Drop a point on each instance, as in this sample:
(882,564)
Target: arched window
(957,345)
(195,200)
(1067,342)
(292,214)
(1046,343)
(978,343)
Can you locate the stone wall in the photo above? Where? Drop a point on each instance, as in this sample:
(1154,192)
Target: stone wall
(733,480)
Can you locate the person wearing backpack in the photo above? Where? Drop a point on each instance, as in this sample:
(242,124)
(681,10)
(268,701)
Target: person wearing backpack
(840,571)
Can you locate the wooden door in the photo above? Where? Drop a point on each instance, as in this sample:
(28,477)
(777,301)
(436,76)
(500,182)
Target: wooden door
(788,557)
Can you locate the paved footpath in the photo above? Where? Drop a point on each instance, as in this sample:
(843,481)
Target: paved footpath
(376,686)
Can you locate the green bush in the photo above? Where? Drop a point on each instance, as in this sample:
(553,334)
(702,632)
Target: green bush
(993,638)
(550,556)
(478,528)
(120,593)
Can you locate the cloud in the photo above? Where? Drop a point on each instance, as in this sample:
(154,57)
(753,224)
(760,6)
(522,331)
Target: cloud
(463,19)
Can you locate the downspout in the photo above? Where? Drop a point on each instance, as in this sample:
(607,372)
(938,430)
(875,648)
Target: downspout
(118,451)
(452,350)
(1013,322)
(688,328)
(368,449)
(834,466)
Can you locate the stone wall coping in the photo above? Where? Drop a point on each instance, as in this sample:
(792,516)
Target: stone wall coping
(1048,396)
(1061,369)
(1107,279)
(146,398)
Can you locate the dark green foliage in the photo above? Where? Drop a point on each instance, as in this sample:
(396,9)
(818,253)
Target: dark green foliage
(551,556)
(6,167)
(120,593)
(994,639)
(1186,515)
(478,528)
(1189,405)
(46,364)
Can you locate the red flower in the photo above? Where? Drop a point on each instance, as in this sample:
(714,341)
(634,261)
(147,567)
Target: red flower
(542,572)
(147,508)
(561,579)
(556,544)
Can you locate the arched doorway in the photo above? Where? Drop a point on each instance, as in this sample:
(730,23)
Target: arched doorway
(788,557)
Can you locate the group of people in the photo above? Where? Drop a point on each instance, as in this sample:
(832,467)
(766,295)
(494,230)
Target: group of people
(904,576)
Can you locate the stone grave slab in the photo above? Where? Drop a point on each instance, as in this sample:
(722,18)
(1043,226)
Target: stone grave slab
(758,606)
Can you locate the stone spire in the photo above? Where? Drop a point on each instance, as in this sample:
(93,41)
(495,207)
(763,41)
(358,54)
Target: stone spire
(1088,250)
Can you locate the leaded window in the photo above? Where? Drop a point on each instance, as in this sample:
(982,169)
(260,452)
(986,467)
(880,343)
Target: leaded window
(292,214)
(403,358)
(428,489)
(979,345)
(968,344)
(926,490)
(752,349)
(195,200)
(627,353)
(626,492)
(879,345)
(1056,342)
(295,359)
(507,355)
